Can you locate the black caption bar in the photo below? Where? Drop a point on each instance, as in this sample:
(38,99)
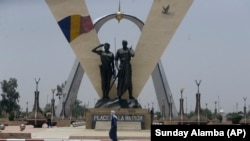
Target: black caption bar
(198,132)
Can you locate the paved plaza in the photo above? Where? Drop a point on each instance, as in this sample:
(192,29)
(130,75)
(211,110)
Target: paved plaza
(74,134)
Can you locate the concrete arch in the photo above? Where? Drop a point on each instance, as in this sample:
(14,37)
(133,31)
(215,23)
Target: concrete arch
(101,21)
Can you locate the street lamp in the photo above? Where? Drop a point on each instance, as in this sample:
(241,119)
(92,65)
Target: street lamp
(236,107)
(80,108)
(63,106)
(163,109)
(27,103)
(71,106)
(186,106)
(148,107)
(218,103)
(215,110)
(152,106)
(181,105)
(47,99)
(170,108)
(52,105)
(245,111)
(206,110)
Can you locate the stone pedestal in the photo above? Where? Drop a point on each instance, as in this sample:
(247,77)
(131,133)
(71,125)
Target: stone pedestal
(36,118)
(198,118)
(124,115)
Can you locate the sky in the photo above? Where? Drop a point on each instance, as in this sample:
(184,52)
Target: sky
(211,44)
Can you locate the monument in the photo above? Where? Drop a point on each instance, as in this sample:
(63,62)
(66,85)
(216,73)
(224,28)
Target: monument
(82,37)
(198,118)
(36,118)
(245,120)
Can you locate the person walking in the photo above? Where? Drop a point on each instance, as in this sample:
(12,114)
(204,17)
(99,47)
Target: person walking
(48,115)
(113,129)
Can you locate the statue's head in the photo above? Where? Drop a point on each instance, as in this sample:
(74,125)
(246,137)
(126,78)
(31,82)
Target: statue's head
(106,46)
(124,43)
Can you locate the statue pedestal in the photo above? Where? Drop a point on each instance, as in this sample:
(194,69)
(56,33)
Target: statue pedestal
(36,118)
(128,118)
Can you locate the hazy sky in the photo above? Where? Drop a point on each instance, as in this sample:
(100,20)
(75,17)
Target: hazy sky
(212,44)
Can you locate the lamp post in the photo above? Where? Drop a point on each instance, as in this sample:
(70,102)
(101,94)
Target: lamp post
(84,111)
(245,110)
(71,108)
(80,108)
(148,107)
(215,110)
(186,106)
(181,105)
(163,109)
(63,106)
(52,105)
(206,111)
(152,106)
(47,99)
(218,103)
(27,111)
(170,108)
(236,107)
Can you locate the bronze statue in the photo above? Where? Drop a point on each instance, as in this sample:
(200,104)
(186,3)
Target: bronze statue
(37,81)
(124,68)
(198,85)
(106,68)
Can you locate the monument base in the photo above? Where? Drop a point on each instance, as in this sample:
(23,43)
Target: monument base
(99,118)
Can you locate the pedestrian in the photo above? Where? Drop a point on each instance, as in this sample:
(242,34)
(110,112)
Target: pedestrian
(113,129)
(48,115)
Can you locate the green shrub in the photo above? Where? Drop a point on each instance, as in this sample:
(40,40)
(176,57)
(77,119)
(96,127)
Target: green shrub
(11,116)
(236,119)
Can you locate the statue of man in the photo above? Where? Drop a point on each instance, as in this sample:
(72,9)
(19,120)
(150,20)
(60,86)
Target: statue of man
(123,55)
(198,85)
(37,81)
(106,68)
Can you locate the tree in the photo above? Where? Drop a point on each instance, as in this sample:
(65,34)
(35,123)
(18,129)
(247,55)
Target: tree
(157,115)
(235,117)
(60,88)
(208,113)
(9,95)
(46,109)
(190,114)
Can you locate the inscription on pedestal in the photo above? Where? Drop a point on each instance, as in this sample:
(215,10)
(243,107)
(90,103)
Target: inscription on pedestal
(127,119)
(104,117)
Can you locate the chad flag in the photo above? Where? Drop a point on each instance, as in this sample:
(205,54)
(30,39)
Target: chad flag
(73,18)
(74,25)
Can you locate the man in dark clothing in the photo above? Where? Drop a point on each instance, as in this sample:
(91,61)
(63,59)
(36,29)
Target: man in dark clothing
(113,129)
(106,68)
(124,69)
(48,115)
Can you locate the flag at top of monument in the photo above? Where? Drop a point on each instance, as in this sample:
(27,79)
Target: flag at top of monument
(75,25)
